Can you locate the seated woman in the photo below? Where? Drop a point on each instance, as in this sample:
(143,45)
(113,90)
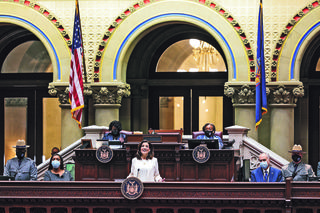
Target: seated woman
(114,134)
(209,129)
(144,165)
(56,170)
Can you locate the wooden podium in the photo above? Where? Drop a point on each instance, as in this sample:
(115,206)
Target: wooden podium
(175,162)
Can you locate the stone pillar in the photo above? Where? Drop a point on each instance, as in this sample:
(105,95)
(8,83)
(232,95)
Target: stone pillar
(244,115)
(283,100)
(70,131)
(243,99)
(282,128)
(105,113)
(107,101)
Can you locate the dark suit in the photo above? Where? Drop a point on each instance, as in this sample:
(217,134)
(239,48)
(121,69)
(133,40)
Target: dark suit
(275,175)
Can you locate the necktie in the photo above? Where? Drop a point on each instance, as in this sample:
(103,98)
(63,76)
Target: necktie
(294,171)
(266,176)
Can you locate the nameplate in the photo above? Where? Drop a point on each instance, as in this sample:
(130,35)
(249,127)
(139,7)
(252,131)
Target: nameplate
(153,138)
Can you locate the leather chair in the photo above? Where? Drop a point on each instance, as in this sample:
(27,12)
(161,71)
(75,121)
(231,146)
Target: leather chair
(197,133)
(167,131)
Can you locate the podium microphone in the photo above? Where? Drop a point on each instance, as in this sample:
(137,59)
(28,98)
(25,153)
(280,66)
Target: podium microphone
(138,173)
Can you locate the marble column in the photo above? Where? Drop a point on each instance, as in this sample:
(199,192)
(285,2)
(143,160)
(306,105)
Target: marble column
(243,99)
(105,113)
(70,131)
(282,102)
(107,101)
(282,128)
(244,115)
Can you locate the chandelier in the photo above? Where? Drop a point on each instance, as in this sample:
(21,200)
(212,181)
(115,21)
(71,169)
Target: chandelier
(205,55)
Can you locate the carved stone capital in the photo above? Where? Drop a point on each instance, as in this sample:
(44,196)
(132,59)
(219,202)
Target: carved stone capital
(240,93)
(110,94)
(286,94)
(277,92)
(62,92)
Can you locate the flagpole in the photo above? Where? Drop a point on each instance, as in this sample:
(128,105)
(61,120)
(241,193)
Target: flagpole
(83,58)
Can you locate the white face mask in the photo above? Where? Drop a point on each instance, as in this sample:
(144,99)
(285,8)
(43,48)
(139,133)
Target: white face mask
(55,164)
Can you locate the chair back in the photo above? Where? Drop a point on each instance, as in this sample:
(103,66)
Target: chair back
(197,133)
(167,131)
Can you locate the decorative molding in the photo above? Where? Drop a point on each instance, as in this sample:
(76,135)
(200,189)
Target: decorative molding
(283,93)
(16,102)
(45,12)
(208,3)
(284,35)
(110,94)
(103,94)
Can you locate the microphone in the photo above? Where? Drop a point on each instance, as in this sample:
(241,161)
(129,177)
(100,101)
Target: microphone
(138,172)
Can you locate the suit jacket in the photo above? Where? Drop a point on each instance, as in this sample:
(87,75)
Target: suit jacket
(275,175)
(303,172)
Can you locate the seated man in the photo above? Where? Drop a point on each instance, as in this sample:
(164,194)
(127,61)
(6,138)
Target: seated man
(209,129)
(114,134)
(296,169)
(21,167)
(266,173)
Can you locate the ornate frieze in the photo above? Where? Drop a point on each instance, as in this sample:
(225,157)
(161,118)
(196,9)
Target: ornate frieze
(283,93)
(110,94)
(103,94)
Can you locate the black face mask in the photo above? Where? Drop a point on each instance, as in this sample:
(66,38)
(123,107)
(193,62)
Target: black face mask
(20,154)
(208,133)
(296,158)
(115,132)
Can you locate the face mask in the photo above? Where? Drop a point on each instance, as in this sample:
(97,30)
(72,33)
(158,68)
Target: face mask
(208,133)
(20,154)
(55,164)
(264,164)
(115,132)
(296,158)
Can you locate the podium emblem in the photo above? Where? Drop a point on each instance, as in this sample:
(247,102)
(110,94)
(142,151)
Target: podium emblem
(201,154)
(132,188)
(104,154)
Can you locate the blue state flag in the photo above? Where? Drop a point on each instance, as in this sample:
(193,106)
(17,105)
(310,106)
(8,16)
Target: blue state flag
(261,95)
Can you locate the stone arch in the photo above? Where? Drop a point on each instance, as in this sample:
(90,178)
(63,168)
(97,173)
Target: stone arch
(46,27)
(293,41)
(121,37)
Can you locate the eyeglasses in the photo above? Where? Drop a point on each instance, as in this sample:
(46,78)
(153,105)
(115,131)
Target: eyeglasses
(260,160)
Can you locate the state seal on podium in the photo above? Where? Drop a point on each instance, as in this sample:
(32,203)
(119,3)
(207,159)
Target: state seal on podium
(104,154)
(132,188)
(201,154)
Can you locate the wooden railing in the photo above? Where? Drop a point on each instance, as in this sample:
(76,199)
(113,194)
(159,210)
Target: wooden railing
(167,197)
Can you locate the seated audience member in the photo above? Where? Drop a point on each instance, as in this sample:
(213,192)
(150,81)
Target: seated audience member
(56,171)
(298,170)
(144,165)
(21,167)
(209,129)
(318,169)
(54,150)
(266,173)
(114,134)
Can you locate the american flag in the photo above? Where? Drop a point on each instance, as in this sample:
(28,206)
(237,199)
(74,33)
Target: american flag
(75,80)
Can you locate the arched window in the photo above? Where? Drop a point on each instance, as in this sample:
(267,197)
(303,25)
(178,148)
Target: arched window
(191,55)
(28,57)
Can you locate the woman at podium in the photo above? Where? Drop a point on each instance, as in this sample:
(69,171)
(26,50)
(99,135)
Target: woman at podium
(144,166)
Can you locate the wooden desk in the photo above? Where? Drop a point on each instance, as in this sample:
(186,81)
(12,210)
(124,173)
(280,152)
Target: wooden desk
(175,164)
